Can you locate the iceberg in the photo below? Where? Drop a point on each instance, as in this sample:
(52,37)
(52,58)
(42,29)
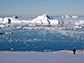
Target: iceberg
(8,20)
(44,20)
(14,19)
(65,16)
(74,16)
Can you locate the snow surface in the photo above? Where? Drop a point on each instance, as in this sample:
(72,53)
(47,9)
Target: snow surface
(41,57)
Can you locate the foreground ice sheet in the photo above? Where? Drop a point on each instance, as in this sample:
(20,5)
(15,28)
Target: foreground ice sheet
(41,57)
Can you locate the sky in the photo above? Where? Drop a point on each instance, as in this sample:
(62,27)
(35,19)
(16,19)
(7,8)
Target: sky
(55,7)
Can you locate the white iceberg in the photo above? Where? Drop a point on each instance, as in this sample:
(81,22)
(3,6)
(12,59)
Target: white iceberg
(14,19)
(44,20)
(74,16)
(65,16)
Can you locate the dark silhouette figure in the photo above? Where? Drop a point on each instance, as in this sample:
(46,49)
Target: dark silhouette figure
(74,50)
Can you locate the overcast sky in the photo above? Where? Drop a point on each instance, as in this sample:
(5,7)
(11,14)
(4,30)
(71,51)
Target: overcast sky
(20,7)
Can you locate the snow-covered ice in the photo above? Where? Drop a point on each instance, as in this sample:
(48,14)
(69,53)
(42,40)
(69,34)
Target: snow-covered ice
(41,57)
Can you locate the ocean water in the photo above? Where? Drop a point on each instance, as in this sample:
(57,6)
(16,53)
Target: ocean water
(15,39)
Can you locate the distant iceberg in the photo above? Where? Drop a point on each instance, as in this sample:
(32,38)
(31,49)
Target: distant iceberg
(44,20)
(14,19)
(74,16)
(65,16)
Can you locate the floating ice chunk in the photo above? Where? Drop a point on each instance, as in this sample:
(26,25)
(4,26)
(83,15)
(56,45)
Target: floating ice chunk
(11,49)
(32,25)
(8,32)
(65,16)
(74,16)
(19,27)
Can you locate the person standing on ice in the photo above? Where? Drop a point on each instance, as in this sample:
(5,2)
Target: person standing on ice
(74,50)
